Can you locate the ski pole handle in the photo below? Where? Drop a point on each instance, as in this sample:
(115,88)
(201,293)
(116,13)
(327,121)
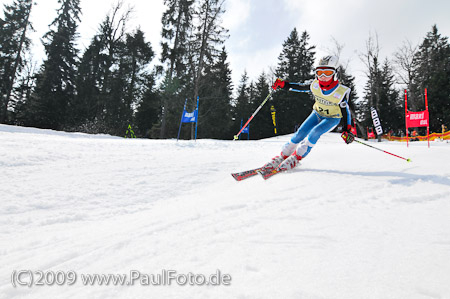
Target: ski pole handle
(253,115)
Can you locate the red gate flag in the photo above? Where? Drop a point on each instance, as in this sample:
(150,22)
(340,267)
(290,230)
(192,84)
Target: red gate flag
(417,119)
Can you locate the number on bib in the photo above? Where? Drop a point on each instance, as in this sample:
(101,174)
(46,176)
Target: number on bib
(322,110)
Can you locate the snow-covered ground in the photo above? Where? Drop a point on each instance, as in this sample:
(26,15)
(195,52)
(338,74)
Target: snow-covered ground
(350,222)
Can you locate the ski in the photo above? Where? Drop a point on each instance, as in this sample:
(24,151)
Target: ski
(263,171)
(268,174)
(239,176)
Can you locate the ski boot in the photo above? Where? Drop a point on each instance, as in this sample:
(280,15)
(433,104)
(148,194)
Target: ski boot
(290,162)
(286,151)
(274,163)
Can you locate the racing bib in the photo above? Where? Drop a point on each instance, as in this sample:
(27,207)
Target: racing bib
(328,105)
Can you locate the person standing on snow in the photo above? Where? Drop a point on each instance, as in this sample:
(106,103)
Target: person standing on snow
(331,105)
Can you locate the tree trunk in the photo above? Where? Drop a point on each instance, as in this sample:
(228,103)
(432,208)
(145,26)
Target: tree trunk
(162,132)
(3,113)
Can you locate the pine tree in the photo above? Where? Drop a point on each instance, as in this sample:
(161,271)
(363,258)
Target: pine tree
(14,43)
(372,93)
(391,107)
(433,72)
(209,35)
(262,126)
(55,85)
(135,58)
(202,52)
(216,104)
(296,64)
(192,34)
(296,61)
(242,103)
(177,23)
(22,92)
(108,73)
(148,110)
(381,94)
(90,78)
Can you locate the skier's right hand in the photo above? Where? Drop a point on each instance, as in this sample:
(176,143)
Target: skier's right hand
(278,83)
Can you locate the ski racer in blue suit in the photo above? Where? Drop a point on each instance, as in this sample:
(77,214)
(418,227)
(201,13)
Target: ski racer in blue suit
(331,105)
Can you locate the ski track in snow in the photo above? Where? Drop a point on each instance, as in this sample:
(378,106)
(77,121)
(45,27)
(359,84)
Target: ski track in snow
(349,222)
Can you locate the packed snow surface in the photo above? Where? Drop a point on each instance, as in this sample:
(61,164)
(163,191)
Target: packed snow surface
(349,222)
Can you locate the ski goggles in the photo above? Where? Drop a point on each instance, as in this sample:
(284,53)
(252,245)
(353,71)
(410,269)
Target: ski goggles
(325,72)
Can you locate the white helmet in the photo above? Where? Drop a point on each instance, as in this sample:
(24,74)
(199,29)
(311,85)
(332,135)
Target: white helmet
(331,62)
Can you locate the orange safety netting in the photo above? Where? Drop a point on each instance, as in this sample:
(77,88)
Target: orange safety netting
(443,136)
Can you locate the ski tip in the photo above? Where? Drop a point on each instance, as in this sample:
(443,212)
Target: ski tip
(235,177)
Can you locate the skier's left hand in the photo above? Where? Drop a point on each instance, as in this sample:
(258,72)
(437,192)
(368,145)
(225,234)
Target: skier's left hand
(348,137)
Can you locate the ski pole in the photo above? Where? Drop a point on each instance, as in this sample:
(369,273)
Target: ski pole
(254,113)
(408,160)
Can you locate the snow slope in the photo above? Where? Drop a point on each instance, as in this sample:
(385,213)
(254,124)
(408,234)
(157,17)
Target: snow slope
(350,222)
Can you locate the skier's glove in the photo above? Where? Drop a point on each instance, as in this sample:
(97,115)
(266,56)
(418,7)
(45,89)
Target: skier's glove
(278,84)
(348,137)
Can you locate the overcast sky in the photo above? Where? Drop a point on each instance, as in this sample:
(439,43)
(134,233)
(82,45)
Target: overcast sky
(258,28)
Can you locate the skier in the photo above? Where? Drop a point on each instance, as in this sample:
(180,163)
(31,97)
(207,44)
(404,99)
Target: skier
(331,104)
